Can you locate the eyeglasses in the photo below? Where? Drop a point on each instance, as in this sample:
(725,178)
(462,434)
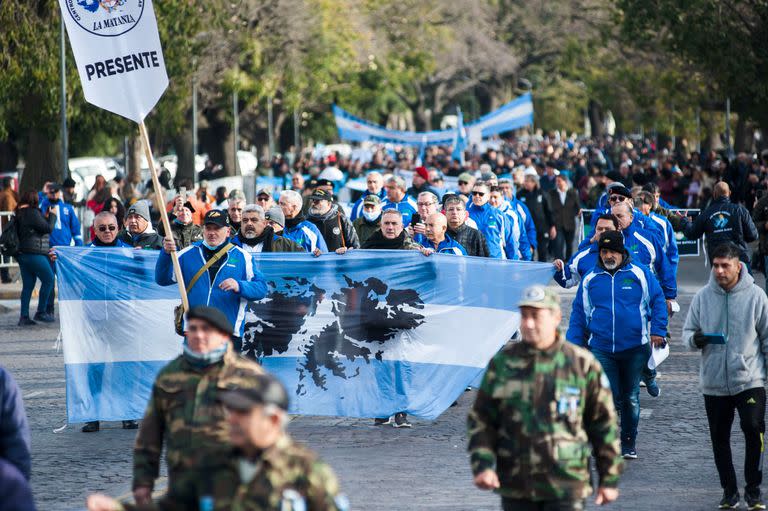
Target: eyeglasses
(262,199)
(463,183)
(104,228)
(478,194)
(616,198)
(425,204)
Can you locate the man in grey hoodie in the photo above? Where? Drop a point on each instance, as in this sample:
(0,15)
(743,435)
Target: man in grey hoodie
(728,321)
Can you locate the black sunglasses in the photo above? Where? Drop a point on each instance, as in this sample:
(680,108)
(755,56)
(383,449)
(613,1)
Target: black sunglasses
(463,183)
(479,194)
(614,198)
(104,228)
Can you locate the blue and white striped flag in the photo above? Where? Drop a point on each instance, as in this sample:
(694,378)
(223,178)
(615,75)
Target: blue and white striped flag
(366,334)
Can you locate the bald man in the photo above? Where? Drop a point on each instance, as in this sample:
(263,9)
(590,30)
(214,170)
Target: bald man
(723,222)
(374,185)
(436,239)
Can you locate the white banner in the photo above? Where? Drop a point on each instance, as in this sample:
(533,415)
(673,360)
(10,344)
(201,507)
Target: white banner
(118,54)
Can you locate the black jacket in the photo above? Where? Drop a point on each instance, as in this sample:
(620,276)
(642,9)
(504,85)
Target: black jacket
(724,221)
(471,239)
(336,229)
(34,230)
(183,234)
(539,207)
(145,240)
(564,215)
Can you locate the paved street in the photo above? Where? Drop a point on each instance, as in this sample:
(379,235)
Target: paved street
(380,467)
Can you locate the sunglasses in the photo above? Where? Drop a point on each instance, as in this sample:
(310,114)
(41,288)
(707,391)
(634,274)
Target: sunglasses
(616,198)
(463,183)
(262,199)
(104,228)
(478,194)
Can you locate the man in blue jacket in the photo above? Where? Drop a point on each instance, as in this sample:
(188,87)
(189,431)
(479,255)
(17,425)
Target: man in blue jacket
(230,282)
(374,185)
(492,223)
(619,312)
(516,227)
(617,194)
(67,230)
(529,228)
(14,429)
(436,239)
(297,228)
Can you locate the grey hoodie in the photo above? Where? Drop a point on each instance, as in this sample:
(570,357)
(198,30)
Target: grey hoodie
(742,316)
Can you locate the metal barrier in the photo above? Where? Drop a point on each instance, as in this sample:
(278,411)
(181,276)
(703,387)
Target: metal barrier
(6,262)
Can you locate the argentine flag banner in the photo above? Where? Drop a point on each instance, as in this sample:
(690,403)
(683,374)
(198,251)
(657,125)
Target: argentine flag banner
(365,334)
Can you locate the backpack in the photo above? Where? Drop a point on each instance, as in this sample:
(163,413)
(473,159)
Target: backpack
(9,239)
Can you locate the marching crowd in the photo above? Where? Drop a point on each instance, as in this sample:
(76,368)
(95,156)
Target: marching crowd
(520,201)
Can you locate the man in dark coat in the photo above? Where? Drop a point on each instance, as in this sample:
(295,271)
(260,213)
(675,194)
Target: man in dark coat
(564,206)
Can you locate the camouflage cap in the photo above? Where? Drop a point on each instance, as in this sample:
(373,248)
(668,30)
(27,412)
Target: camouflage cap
(540,297)
(256,390)
(372,199)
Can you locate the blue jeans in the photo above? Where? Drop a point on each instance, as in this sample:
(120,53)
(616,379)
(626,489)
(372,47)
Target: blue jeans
(623,370)
(33,267)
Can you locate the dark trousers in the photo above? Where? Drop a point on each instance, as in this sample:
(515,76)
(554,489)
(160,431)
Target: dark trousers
(623,370)
(49,306)
(542,505)
(5,276)
(543,247)
(720,414)
(33,267)
(562,246)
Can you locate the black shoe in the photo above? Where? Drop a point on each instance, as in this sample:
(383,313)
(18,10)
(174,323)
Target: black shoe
(401,421)
(90,427)
(44,317)
(729,501)
(25,321)
(130,425)
(754,500)
(382,422)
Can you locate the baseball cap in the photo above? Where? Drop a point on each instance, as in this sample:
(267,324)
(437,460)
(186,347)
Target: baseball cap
(212,316)
(466,177)
(321,195)
(255,390)
(275,214)
(189,206)
(620,190)
(54,187)
(324,182)
(140,208)
(540,297)
(372,199)
(264,191)
(216,217)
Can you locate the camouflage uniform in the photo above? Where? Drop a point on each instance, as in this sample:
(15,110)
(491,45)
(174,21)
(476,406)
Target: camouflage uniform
(184,414)
(289,474)
(535,416)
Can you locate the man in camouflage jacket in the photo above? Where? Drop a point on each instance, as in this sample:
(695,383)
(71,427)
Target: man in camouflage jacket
(184,413)
(544,406)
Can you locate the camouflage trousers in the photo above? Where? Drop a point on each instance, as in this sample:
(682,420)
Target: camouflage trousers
(542,505)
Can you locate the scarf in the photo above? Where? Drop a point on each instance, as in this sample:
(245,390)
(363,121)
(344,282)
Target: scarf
(291,223)
(377,241)
(265,237)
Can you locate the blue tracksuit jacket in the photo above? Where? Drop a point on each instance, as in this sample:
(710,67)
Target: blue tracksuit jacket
(491,222)
(67,228)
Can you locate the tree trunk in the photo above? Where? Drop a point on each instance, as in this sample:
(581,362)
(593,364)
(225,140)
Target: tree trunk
(423,118)
(182,143)
(596,118)
(744,137)
(712,140)
(43,160)
(133,172)
(221,143)
(9,156)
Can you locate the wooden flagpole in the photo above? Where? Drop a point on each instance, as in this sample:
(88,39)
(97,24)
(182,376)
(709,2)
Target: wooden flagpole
(163,214)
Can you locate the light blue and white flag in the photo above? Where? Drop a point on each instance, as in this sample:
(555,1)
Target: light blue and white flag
(460,142)
(515,114)
(366,334)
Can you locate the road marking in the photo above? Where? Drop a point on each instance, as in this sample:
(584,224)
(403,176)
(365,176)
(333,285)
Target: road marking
(33,394)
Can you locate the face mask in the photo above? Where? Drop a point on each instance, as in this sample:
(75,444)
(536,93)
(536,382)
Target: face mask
(206,245)
(371,216)
(204,359)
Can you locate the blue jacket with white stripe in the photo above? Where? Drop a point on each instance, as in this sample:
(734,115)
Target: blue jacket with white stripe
(617,311)
(517,232)
(525,214)
(237,265)
(67,228)
(407,207)
(447,246)
(491,222)
(306,234)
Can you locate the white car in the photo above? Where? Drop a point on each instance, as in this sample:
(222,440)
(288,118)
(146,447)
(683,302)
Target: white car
(84,171)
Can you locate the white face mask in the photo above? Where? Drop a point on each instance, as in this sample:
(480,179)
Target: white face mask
(371,216)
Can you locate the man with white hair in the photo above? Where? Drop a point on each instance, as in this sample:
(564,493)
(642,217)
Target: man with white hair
(374,185)
(297,227)
(257,236)
(397,199)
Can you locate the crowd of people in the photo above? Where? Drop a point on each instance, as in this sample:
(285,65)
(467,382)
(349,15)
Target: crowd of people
(520,200)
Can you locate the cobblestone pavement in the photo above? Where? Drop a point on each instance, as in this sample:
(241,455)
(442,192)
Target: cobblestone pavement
(380,467)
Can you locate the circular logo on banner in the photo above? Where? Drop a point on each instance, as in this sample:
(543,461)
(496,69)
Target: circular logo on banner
(106,18)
